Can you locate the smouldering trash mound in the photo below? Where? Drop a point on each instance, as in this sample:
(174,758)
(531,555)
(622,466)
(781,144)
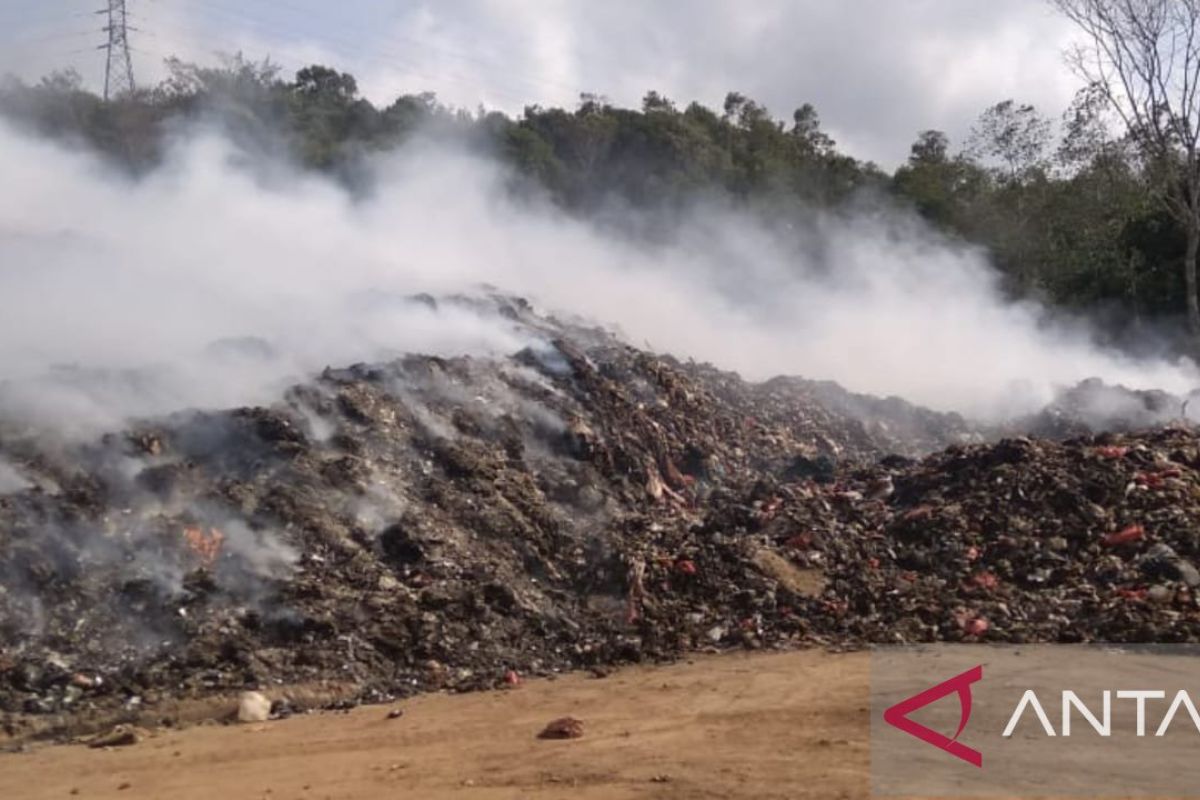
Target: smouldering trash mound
(440,523)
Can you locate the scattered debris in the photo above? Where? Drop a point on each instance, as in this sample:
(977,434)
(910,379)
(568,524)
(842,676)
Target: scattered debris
(562,728)
(120,736)
(253,707)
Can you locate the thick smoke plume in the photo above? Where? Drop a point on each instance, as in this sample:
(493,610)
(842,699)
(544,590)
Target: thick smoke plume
(208,284)
(11,480)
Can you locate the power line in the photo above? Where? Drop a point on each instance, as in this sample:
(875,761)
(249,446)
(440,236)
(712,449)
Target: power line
(215,45)
(398,53)
(349,36)
(30,41)
(384,56)
(118,69)
(23,10)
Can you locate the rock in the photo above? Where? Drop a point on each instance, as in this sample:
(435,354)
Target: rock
(562,728)
(1160,594)
(120,736)
(880,488)
(1162,559)
(253,707)
(800,582)
(1187,573)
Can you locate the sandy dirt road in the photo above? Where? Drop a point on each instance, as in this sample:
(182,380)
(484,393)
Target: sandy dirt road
(733,726)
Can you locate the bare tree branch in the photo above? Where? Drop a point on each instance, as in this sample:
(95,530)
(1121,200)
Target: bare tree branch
(1144,55)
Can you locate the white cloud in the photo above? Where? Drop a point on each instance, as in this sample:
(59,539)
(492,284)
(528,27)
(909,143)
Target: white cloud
(878,71)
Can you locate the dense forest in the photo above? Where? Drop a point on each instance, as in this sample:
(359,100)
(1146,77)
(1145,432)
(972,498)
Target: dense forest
(1065,204)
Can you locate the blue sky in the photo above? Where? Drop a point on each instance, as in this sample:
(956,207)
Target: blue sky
(876,70)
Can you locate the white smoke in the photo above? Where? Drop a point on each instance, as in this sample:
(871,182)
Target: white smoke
(206,284)
(11,481)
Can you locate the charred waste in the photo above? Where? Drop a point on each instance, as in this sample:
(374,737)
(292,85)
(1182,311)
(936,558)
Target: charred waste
(445,523)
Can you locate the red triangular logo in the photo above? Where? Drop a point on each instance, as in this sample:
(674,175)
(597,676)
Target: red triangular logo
(897,715)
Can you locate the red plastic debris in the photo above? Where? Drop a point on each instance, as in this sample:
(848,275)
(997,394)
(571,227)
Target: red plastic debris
(985,580)
(1151,480)
(80,679)
(1112,451)
(685,567)
(1131,534)
(769,510)
(976,627)
(1132,594)
(512,678)
(1155,480)
(918,513)
(837,608)
(801,541)
(972,623)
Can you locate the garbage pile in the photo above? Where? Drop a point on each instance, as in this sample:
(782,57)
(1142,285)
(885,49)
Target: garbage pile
(1094,539)
(458,523)
(1093,406)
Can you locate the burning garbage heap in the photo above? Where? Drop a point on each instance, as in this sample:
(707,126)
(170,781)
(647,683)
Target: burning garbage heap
(1092,406)
(450,523)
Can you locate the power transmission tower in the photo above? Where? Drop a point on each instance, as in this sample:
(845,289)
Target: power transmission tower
(118,71)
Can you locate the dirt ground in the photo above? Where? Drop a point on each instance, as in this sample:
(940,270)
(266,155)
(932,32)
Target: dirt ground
(733,726)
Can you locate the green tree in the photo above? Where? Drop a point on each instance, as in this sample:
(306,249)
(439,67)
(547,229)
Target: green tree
(1143,56)
(1015,135)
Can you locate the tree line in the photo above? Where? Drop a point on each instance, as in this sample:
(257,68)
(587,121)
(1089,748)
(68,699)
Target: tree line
(1088,212)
